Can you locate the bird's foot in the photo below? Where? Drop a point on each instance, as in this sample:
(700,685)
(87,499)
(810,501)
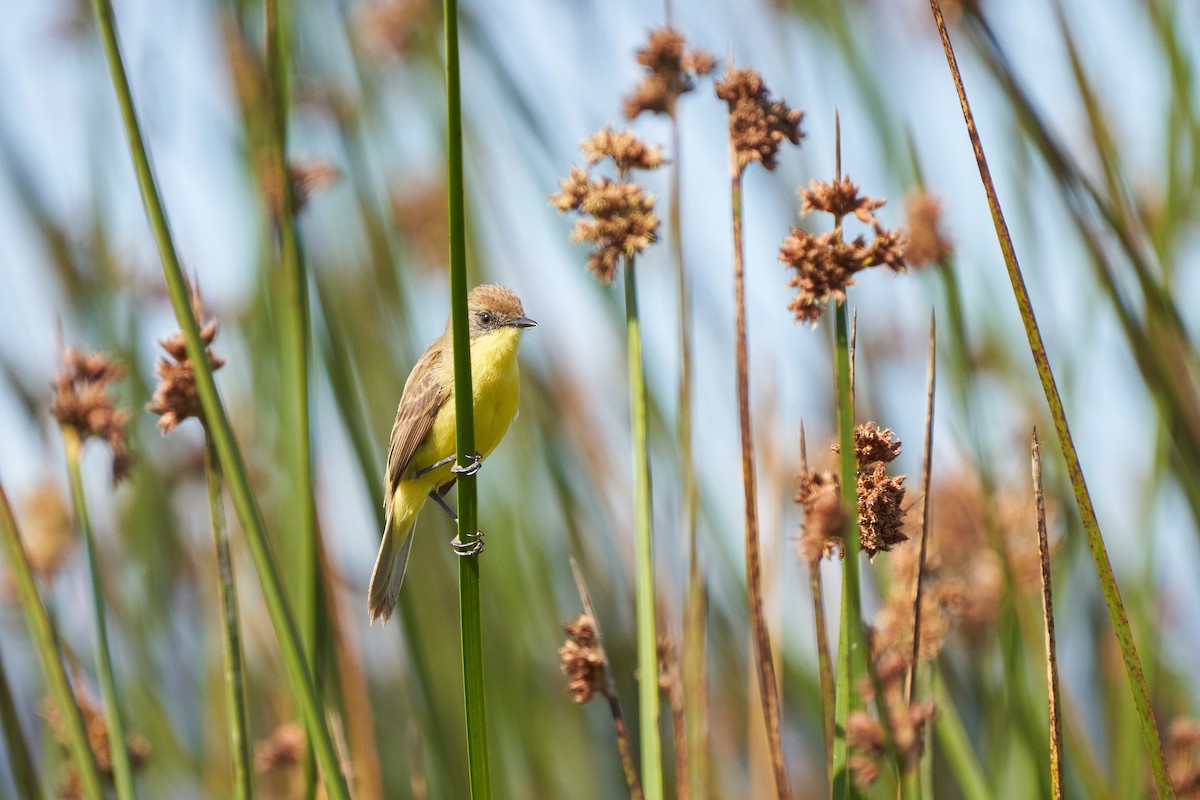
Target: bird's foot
(473,546)
(471,468)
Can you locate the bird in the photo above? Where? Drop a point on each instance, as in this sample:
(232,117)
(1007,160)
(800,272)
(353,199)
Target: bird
(423,447)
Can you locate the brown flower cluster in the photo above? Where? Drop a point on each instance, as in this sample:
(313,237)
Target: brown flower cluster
(311,177)
(401,28)
(907,720)
(176,398)
(824,517)
(880,499)
(82,403)
(880,496)
(48,532)
(671,70)
(758,125)
(284,748)
(420,213)
(926,243)
(618,216)
(1183,747)
(97,733)
(582,660)
(943,602)
(826,263)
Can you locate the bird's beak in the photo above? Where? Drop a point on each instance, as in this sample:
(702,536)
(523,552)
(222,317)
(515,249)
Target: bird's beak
(523,322)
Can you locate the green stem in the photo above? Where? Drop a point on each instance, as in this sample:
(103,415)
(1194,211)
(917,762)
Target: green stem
(235,692)
(226,446)
(1083,501)
(118,752)
(851,651)
(956,745)
(296,340)
(47,646)
(470,616)
(768,687)
(19,758)
(647,622)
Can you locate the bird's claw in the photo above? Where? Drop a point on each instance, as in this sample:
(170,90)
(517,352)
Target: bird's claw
(471,468)
(472,547)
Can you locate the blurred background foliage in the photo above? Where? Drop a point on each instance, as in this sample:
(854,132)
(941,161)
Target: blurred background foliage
(1090,122)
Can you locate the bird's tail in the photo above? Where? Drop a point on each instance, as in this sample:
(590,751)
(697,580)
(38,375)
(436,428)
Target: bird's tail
(390,566)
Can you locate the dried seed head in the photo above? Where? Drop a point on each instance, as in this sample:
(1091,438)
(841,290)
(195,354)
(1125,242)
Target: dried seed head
(397,27)
(824,517)
(581,659)
(176,397)
(1184,733)
(49,536)
(671,70)
(82,403)
(825,264)
(758,126)
(97,732)
(284,749)
(926,244)
(880,509)
(625,149)
(618,216)
(872,443)
(309,178)
(667,666)
(420,214)
(943,601)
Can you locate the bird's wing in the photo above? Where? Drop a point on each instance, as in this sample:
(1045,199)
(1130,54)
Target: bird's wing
(423,398)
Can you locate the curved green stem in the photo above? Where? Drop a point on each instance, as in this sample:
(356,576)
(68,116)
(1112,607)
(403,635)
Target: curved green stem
(47,647)
(224,442)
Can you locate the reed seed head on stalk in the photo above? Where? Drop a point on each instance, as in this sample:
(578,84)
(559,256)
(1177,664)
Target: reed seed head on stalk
(880,499)
(758,125)
(420,211)
(926,242)
(943,602)
(826,263)
(97,733)
(907,720)
(582,661)
(49,533)
(176,398)
(618,216)
(82,403)
(671,70)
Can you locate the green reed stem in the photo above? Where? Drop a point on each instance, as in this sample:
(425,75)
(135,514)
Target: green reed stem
(119,753)
(956,745)
(1087,513)
(45,641)
(470,616)
(851,650)
(224,442)
(647,620)
(19,758)
(295,346)
(232,659)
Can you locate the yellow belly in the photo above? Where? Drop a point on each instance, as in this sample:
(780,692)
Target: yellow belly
(495,384)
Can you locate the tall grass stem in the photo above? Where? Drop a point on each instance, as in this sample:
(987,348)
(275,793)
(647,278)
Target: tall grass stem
(1087,513)
(122,770)
(224,442)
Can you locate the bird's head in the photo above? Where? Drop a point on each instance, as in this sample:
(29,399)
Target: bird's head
(493,307)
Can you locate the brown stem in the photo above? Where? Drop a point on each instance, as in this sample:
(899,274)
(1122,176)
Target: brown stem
(1056,779)
(926,471)
(824,664)
(768,689)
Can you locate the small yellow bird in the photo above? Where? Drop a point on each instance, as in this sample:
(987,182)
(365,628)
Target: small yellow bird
(423,448)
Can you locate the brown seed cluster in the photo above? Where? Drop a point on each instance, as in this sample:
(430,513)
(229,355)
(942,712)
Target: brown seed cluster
(399,28)
(758,125)
(926,244)
(82,403)
(1183,747)
(48,532)
(582,661)
(284,748)
(907,720)
(97,733)
(943,602)
(671,70)
(824,518)
(176,398)
(420,211)
(311,177)
(825,263)
(617,217)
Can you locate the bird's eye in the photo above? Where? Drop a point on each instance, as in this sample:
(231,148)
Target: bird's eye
(485,317)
